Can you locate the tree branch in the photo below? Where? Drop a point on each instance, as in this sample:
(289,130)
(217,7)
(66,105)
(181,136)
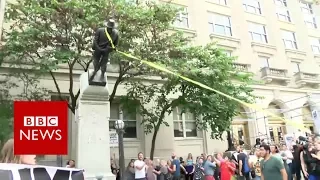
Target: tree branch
(122,72)
(58,88)
(71,65)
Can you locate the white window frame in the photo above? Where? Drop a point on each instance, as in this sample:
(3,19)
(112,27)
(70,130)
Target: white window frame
(246,6)
(281,3)
(315,47)
(293,41)
(310,21)
(222,2)
(253,33)
(297,64)
(283,12)
(182,124)
(265,61)
(212,24)
(306,6)
(180,17)
(121,116)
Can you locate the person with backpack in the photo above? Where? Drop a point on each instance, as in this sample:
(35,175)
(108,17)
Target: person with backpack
(244,169)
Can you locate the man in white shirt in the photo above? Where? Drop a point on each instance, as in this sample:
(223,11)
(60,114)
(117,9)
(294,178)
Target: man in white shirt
(140,168)
(288,157)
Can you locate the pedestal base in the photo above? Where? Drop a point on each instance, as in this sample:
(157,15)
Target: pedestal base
(93,139)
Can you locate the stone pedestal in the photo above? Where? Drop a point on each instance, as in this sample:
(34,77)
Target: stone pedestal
(93,147)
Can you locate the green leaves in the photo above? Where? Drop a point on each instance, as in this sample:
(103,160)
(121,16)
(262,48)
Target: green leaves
(205,64)
(48,35)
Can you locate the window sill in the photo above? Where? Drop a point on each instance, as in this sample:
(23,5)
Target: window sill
(313,29)
(316,55)
(225,41)
(255,14)
(222,5)
(264,45)
(262,48)
(286,22)
(296,54)
(229,38)
(186,30)
(295,51)
(187,138)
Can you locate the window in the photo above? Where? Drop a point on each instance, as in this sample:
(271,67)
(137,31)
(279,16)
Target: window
(309,18)
(182,19)
(283,14)
(220,24)
(252,6)
(227,53)
(310,21)
(315,45)
(222,2)
(306,7)
(264,61)
(289,39)
(258,32)
(295,67)
(281,2)
(184,124)
(130,121)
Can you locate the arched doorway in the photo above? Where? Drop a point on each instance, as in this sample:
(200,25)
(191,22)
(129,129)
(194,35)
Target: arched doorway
(277,127)
(307,117)
(239,127)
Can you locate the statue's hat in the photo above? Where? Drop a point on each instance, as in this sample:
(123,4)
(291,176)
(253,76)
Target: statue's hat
(111,23)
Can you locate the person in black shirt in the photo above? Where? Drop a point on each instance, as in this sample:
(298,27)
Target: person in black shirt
(296,163)
(244,171)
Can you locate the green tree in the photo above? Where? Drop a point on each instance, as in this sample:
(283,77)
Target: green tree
(28,90)
(205,64)
(6,113)
(56,35)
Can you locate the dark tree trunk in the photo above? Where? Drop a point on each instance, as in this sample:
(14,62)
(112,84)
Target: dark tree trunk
(230,144)
(153,141)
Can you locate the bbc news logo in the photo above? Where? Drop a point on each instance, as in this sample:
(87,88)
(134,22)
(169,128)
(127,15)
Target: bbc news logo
(41,127)
(40,121)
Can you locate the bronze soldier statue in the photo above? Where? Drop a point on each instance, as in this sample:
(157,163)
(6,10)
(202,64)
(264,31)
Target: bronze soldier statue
(102,47)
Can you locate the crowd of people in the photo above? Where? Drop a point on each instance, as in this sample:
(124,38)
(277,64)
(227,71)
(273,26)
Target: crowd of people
(202,167)
(299,160)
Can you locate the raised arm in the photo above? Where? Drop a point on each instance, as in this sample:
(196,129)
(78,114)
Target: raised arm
(217,161)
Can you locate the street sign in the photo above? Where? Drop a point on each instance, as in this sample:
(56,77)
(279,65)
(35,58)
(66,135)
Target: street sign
(113,138)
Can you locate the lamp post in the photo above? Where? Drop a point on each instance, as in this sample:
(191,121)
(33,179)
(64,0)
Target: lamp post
(119,125)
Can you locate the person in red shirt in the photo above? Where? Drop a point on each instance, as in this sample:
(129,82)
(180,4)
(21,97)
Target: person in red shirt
(227,168)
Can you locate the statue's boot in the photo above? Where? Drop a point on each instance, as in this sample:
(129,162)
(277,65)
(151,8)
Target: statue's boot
(92,76)
(102,76)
